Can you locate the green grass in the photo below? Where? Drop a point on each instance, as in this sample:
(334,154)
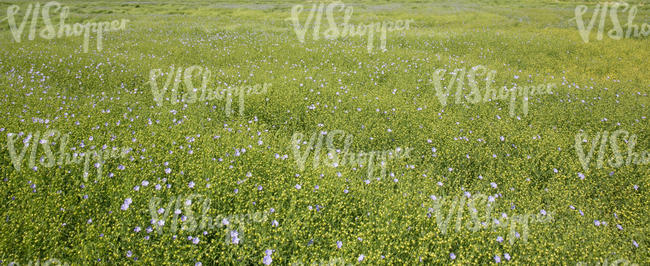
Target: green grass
(602,85)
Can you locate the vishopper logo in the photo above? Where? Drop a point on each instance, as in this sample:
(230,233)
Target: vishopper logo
(49,31)
(187,75)
(347,29)
(622,262)
(619,159)
(616,32)
(64,158)
(348,157)
(458,79)
(233,225)
(330,261)
(52,261)
(475,203)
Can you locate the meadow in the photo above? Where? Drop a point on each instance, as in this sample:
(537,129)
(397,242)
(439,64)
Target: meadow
(493,176)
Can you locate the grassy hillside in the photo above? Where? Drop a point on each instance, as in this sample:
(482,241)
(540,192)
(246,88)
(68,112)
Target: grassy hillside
(243,165)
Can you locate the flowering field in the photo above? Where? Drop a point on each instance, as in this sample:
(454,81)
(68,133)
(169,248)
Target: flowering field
(328,133)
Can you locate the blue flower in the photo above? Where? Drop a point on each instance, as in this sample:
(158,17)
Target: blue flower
(267,260)
(234,236)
